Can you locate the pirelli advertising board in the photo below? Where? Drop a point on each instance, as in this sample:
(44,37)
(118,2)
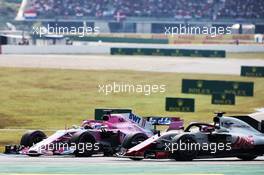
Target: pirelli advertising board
(191,86)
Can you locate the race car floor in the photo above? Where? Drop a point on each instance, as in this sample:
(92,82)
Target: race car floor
(23,165)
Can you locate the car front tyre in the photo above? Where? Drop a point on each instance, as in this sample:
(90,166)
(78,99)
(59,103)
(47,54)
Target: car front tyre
(32,137)
(247,157)
(133,140)
(185,155)
(80,140)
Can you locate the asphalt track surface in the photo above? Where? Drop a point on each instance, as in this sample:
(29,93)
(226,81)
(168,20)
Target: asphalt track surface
(136,63)
(17,164)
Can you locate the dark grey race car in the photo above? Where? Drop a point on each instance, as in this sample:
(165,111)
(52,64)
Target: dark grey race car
(233,136)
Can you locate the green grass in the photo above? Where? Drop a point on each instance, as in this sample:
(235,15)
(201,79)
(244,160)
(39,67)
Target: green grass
(53,98)
(248,55)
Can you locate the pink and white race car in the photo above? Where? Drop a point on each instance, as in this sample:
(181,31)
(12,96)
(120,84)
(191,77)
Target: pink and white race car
(93,136)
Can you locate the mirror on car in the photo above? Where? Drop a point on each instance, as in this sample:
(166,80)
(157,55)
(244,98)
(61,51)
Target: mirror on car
(262,126)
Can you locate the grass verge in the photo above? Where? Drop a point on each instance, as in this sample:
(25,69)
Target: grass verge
(248,55)
(54,99)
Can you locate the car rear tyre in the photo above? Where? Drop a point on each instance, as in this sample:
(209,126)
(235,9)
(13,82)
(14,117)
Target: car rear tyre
(84,143)
(247,157)
(32,137)
(185,154)
(133,140)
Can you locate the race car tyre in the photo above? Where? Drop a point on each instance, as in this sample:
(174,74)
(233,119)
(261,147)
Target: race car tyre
(84,143)
(185,154)
(136,158)
(32,137)
(133,139)
(247,157)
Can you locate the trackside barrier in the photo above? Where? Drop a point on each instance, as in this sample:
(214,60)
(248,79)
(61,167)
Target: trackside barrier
(168,52)
(55,49)
(104,48)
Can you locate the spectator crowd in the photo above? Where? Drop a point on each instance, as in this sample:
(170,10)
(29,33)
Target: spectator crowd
(187,9)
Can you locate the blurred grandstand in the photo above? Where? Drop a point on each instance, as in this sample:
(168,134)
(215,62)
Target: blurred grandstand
(169,9)
(143,16)
(8,11)
(156,13)
(137,16)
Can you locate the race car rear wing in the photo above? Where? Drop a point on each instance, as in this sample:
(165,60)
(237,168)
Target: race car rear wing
(155,120)
(174,123)
(149,122)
